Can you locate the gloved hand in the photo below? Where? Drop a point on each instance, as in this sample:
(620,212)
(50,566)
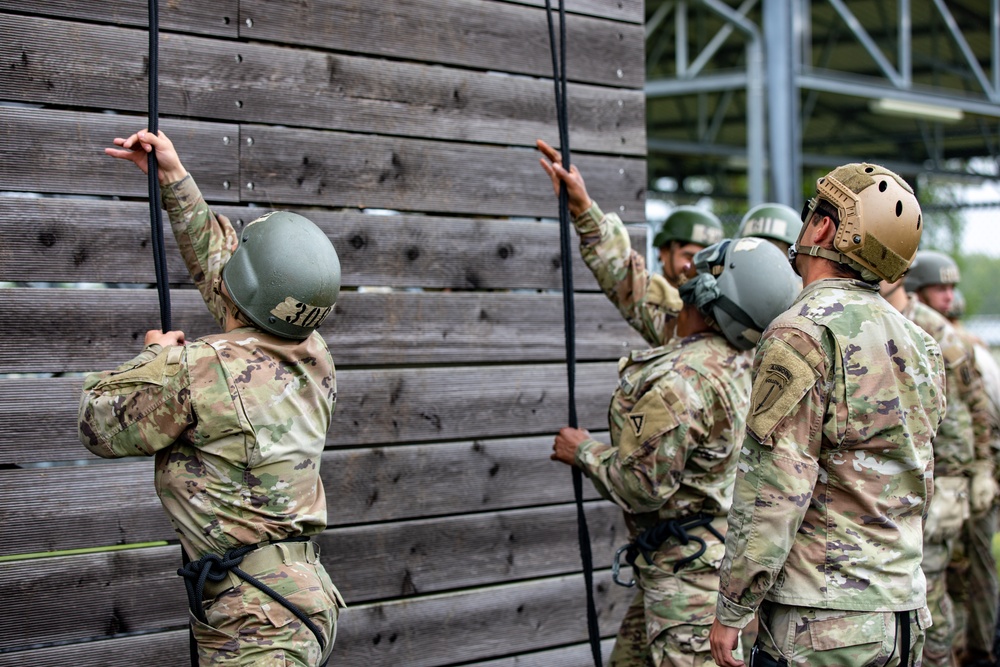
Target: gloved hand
(984,490)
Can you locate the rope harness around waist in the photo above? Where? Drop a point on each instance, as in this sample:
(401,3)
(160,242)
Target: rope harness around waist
(651,539)
(215,568)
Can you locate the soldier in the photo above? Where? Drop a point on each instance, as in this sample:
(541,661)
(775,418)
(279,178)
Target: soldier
(836,468)
(676,419)
(965,449)
(648,302)
(777,223)
(237,423)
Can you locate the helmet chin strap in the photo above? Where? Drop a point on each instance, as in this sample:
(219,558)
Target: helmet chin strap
(797,248)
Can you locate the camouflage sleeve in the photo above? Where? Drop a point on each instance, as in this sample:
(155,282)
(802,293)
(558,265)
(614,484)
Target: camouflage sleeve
(973,392)
(138,408)
(641,297)
(644,469)
(777,471)
(206,240)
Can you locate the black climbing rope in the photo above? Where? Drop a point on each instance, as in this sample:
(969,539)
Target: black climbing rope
(565,250)
(155,214)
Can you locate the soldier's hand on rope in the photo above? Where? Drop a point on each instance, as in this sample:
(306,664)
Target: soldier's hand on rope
(579,200)
(137,147)
(165,339)
(568,440)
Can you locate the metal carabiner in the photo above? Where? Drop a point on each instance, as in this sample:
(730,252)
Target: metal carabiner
(616,568)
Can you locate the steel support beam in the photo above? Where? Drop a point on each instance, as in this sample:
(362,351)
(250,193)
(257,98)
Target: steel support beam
(782,108)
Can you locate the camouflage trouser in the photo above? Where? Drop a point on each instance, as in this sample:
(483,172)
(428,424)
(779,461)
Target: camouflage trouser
(834,638)
(668,621)
(941,635)
(973,585)
(247,627)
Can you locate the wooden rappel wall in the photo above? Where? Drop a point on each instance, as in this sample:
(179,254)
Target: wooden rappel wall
(452,535)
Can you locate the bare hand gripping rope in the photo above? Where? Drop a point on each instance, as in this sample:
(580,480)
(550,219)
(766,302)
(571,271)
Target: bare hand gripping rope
(565,249)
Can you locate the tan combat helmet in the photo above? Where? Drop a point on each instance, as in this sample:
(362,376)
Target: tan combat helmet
(284,275)
(880,221)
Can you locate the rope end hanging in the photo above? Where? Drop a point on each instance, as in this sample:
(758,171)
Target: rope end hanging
(559,79)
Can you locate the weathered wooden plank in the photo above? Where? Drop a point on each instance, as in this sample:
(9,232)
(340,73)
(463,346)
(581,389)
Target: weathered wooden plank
(42,150)
(422,631)
(80,240)
(479,34)
(293,166)
(218,17)
(38,415)
(169,649)
(107,327)
(631,11)
(81,506)
(236,81)
(571,656)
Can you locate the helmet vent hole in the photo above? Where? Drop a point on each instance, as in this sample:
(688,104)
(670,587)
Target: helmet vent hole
(869,170)
(918,222)
(899,208)
(882,186)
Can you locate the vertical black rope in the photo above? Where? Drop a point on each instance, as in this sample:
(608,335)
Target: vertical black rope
(155,214)
(569,319)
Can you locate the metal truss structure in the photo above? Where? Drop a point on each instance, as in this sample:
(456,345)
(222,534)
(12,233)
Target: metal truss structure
(749,99)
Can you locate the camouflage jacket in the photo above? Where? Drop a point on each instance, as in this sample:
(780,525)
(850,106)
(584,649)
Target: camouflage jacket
(837,467)
(989,371)
(963,441)
(676,421)
(646,300)
(237,421)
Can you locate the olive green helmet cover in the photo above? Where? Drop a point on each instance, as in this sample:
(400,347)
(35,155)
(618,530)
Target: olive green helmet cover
(771,221)
(741,286)
(284,275)
(689,224)
(931,268)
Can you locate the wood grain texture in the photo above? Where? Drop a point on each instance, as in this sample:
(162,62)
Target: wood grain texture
(218,17)
(43,150)
(258,83)
(479,34)
(83,240)
(81,506)
(137,591)
(374,406)
(288,166)
(106,327)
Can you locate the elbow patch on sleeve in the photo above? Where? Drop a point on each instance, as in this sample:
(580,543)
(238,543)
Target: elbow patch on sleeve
(654,415)
(781,380)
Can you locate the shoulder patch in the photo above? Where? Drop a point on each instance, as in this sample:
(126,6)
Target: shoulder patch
(782,379)
(649,419)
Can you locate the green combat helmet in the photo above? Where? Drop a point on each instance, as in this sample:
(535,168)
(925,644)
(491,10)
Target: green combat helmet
(741,285)
(689,224)
(285,274)
(879,216)
(931,268)
(776,222)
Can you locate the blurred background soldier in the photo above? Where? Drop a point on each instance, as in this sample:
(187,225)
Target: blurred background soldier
(972,578)
(777,223)
(237,422)
(837,465)
(648,302)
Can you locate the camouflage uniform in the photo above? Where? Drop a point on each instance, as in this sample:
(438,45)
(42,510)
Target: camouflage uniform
(972,574)
(237,422)
(963,438)
(834,476)
(646,300)
(675,418)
